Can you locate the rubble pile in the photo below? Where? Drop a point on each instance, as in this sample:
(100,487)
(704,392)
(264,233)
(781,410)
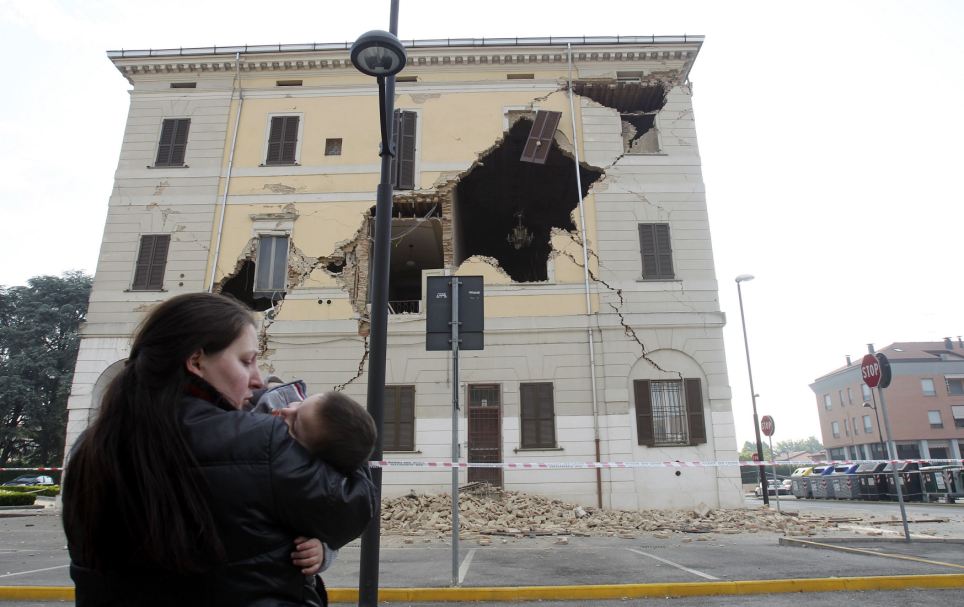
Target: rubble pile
(491,511)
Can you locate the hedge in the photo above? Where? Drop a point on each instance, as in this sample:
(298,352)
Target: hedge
(11,498)
(44,490)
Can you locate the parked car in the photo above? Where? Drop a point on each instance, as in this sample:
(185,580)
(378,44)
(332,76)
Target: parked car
(782,487)
(30,479)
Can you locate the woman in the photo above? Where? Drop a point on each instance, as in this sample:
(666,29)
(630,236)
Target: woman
(174,495)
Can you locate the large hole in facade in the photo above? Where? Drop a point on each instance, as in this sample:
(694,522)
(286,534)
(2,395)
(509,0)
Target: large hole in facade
(240,285)
(506,208)
(416,246)
(637,103)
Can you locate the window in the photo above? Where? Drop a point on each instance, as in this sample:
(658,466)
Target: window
(865,390)
(850,396)
(937,452)
(835,428)
(846,427)
(538,416)
(868,427)
(283,140)
(333,147)
(173,143)
(837,454)
(669,412)
(934,418)
(957,411)
(840,397)
(184,85)
(151,262)
(955,386)
(403,164)
(927,387)
(271,269)
(878,451)
(398,430)
(288,83)
(827,402)
(853,424)
(654,246)
(908,451)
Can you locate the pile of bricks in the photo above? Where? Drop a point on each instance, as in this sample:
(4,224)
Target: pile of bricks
(493,512)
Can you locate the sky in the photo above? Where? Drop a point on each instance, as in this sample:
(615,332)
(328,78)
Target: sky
(830,135)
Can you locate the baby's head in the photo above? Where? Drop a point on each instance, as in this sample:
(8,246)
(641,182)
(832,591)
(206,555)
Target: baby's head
(333,427)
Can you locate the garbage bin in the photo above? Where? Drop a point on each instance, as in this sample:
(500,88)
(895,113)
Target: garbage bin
(908,474)
(954,477)
(799,486)
(820,485)
(845,484)
(885,483)
(867,475)
(934,485)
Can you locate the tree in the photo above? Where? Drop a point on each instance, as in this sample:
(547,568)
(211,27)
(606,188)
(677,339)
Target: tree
(39,338)
(810,444)
(749,448)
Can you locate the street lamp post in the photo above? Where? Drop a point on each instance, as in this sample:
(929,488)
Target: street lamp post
(756,419)
(876,417)
(380,54)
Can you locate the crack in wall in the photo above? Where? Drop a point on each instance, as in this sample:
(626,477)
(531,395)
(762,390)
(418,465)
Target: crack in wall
(627,329)
(361,368)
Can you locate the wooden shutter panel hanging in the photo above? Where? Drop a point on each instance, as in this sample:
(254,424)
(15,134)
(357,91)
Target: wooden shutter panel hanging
(644,413)
(694,411)
(540,137)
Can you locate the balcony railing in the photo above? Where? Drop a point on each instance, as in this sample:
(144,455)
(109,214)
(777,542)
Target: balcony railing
(404,306)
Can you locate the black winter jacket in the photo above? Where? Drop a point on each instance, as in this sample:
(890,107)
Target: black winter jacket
(266,489)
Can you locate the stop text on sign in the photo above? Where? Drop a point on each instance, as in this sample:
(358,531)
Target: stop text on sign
(870,370)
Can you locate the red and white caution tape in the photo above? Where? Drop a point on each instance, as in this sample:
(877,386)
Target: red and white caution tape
(393,463)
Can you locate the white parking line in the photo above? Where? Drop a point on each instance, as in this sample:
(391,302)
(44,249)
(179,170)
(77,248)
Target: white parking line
(33,571)
(677,565)
(464,567)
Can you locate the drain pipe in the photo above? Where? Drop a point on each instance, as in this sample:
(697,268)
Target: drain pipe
(585,273)
(227,178)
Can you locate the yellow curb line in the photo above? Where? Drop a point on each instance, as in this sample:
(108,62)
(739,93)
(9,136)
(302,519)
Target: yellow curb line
(890,555)
(607,591)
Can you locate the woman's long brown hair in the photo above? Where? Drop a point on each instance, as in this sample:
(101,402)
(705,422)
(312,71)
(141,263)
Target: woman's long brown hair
(132,489)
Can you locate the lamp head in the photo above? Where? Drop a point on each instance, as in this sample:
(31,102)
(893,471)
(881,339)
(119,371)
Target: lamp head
(868,405)
(378,53)
(744,277)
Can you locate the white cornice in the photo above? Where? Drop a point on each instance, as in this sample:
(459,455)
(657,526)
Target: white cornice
(673,53)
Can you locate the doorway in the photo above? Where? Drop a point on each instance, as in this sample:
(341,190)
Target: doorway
(485,432)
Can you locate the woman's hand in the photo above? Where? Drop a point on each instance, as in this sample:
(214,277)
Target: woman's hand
(309,555)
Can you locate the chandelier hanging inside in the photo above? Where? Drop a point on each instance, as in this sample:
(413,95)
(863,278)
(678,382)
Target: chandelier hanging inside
(519,236)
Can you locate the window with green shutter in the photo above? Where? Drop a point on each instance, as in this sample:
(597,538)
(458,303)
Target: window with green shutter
(656,251)
(173,143)
(283,140)
(151,262)
(538,416)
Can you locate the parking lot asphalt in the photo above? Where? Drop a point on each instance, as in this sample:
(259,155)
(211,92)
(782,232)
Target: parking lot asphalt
(588,569)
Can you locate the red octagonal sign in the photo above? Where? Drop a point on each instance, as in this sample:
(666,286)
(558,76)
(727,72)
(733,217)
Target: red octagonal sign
(767,426)
(870,370)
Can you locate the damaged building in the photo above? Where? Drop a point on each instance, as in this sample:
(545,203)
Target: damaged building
(565,172)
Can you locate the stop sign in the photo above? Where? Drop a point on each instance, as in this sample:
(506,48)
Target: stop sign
(767,426)
(870,370)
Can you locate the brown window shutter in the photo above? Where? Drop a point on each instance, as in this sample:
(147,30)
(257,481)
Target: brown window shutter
(656,250)
(173,143)
(403,164)
(406,425)
(282,140)
(151,262)
(694,411)
(390,420)
(538,415)
(644,413)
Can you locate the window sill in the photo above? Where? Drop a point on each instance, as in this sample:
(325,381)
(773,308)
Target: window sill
(280,164)
(416,452)
(168,166)
(132,290)
(644,279)
(531,449)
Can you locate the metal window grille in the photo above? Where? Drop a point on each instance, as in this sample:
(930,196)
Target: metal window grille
(669,413)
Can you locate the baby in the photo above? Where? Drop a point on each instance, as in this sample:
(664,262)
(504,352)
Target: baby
(331,425)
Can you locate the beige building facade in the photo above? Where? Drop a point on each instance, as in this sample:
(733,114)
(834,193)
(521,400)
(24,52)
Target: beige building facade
(252,171)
